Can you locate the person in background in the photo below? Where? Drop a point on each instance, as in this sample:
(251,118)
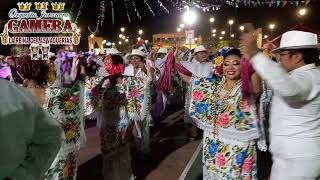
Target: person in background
(108,100)
(138,77)
(29,138)
(161,97)
(295,111)
(199,67)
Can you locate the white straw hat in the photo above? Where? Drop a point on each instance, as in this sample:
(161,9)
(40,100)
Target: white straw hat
(162,51)
(114,51)
(199,49)
(298,40)
(136,52)
(45,45)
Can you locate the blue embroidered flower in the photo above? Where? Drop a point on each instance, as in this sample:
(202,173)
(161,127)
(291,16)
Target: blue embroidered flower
(252,126)
(240,157)
(88,93)
(240,115)
(141,97)
(213,148)
(197,82)
(201,108)
(212,79)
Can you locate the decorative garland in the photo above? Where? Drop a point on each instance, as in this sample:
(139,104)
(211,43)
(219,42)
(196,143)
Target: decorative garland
(126,6)
(182,4)
(135,10)
(150,9)
(162,6)
(100,17)
(80,10)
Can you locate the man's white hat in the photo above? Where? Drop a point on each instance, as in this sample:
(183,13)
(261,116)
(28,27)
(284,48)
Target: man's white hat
(45,45)
(34,45)
(162,51)
(136,52)
(199,49)
(114,51)
(298,40)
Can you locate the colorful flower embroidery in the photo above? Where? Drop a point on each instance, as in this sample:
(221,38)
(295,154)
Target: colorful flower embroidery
(228,161)
(224,120)
(197,95)
(247,165)
(220,160)
(69,105)
(200,104)
(64,167)
(213,148)
(63,105)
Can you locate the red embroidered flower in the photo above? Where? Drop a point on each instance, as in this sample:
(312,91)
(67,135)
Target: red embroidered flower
(73,127)
(247,165)
(135,92)
(66,97)
(220,160)
(74,99)
(224,120)
(67,127)
(197,95)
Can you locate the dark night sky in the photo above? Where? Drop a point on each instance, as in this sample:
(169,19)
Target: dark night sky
(284,18)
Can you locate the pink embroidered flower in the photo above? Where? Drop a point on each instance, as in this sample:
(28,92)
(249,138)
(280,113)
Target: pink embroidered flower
(220,160)
(224,120)
(135,92)
(245,103)
(247,165)
(74,99)
(198,96)
(74,127)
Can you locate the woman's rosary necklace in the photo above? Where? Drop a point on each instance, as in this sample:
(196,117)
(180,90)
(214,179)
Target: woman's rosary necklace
(223,93)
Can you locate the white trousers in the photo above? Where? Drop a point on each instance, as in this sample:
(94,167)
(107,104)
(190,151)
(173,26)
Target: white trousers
(295,168)
(294,159)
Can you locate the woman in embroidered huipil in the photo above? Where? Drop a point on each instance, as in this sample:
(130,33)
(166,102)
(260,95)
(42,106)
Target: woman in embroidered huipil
(64,106)
(228,119)
(64,102)
(137,80)
(109,103)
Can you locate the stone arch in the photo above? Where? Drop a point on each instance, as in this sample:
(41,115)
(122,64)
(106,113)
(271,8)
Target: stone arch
(95,42)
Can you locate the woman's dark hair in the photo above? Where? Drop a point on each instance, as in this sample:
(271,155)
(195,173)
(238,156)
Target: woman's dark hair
(232,52)
(309,56)
(117,59)
(32,69)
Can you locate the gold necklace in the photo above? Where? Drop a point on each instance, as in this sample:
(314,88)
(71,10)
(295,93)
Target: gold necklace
(220,101)
(222,87)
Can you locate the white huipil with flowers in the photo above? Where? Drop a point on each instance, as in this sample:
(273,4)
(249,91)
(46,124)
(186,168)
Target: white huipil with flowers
(230,129)
(66,106)
(139,104)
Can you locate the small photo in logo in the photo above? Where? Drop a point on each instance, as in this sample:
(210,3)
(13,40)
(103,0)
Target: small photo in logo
(35,51)
(45,49)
